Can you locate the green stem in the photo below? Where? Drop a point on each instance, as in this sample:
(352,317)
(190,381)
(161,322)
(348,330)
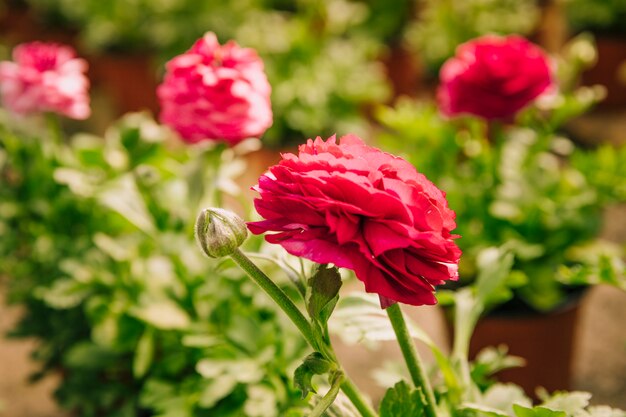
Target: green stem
(411,357)
(296,316)
(278,295)
(357,399)
(56,135)
(327,400)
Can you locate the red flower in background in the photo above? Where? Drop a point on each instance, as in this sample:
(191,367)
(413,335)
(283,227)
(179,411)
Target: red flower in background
(216,92)
(45,77)
(493,77)
(359,208)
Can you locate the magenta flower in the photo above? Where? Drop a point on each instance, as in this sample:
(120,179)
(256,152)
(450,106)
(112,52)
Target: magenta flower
(493,77)
(216,92)
(359,208)
(45,77)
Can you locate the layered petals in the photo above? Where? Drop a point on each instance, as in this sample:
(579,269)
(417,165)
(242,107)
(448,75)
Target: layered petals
(45,77)
(215,92)
(359,208)
(493,77)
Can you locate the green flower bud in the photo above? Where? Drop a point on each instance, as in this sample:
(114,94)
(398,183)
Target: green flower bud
(219,232)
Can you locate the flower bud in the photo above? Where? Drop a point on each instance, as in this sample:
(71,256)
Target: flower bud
(219,232)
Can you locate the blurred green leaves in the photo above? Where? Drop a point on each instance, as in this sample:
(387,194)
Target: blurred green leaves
(321,56)
(98,248)
(525,188)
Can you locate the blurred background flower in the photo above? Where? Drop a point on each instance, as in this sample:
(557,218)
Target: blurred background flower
(45,77)
(96,232)
(215,92)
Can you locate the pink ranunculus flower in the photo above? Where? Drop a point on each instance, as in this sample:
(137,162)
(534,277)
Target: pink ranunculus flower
(216,92)
(45,77)
(493,77)
(359,208)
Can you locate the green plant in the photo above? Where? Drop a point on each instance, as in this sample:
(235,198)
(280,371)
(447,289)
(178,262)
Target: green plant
(460,387)
(98,248)
(525,186)
(603,16)
(442,25)
(320,56)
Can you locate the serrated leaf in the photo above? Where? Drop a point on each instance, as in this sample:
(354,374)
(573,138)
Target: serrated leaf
(521,411)
(314,364)
(324,293)
(402,401)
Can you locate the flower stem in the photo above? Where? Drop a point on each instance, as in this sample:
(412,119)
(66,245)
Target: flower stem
(296,316)
(327,400)
(278,295)
(411,357)
(56,136)
(357,399)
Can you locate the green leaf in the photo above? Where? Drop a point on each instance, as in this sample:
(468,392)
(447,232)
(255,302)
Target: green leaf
(243,370)
(570,402)
(605,411)
(336,378)
(491,360)
(402,401)
(483,410)
(163,314)
(492,285)
(63,294)
(324,285)
(503,396)
(216,389)
(144,354)
(314,364)
(521,411)
(123,196)
(87,355)
(470,302)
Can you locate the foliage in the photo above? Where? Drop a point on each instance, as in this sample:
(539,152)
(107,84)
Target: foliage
(98,247)
(463,388)
(604,16)
(320,56)
(443,25)
(525,186)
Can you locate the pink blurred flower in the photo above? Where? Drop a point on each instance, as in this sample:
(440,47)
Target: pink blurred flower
(216,92)
(359,208)
(493,77)
(45,77)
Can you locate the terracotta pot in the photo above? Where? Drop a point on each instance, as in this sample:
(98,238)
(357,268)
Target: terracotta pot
(546,341)
(610,70)
(130,80)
